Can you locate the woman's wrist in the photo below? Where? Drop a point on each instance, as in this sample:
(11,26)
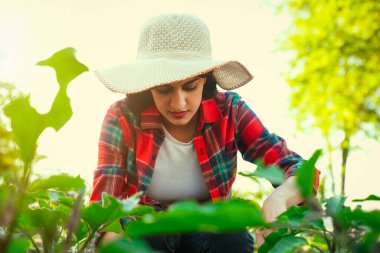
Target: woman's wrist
(288,192)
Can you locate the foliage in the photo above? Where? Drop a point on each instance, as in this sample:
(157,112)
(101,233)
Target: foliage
(8,149)
(49,214)
(335,71)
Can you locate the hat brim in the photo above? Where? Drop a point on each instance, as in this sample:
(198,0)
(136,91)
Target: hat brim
(144,75)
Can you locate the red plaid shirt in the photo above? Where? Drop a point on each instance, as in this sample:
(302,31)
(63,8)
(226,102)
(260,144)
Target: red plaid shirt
(129,145)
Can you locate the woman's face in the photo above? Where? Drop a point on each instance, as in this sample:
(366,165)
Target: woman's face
(179,102)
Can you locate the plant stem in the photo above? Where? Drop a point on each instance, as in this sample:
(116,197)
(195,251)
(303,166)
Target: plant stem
(345,147)
(311,231)
(330,166)
(316,247)
(14,208)
(33,242)
(88,239)
(73,220)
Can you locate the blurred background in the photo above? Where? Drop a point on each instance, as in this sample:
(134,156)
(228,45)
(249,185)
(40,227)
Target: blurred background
(316,67)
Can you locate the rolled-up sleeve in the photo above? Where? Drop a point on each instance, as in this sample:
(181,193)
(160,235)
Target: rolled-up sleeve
(110,174)
(256,143)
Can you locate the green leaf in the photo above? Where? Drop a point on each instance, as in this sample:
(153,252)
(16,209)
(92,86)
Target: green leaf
(272,173)
(141,210)
(334,205)
(271,240)
(18,245)
(288,244)
(65,64)
(63,198)
(25,223)
(81,231)
(46,221)
(97,214)
(306,175)
(189,216)
(369,243)
(61,182)
(122,245)
(27,124)
(299,216)
(113,227)
(369,219)
(26,135)
(370,197)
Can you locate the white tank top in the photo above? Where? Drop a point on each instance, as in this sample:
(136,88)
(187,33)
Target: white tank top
(177,174)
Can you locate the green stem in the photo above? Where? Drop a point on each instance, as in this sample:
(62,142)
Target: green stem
(33,242)
(330,166)
(73,220)
(316,247)
(14,208)
(322,235)
(88,239)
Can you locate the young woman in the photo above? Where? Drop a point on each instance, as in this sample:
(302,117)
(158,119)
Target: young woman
(176,137)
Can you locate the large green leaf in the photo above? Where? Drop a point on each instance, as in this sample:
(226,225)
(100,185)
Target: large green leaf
(47,220)
(27,124)
(369,243)
(66,66)
(369,219)
(125,246)
(272,173)
(61,182)
(111,209)
(18,245)
(141,210)
(306,175)
(334,205)
(189,216)
(288,244)
(299,216)
(113,227)
(81,231)
(272,239)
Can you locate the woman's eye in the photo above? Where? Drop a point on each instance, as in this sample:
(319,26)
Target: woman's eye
(190,88)
(163,90)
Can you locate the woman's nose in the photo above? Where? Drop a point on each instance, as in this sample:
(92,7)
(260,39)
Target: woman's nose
(178,100)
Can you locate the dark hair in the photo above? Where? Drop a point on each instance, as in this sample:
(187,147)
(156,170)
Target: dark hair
(142,100)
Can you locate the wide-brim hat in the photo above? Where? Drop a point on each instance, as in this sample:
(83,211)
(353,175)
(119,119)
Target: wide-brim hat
(173,47)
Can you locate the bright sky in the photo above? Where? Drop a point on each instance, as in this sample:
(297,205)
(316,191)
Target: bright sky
(104,33)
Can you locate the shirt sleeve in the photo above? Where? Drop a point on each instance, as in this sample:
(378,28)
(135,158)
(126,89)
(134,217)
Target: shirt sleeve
(255,143)
(110,174)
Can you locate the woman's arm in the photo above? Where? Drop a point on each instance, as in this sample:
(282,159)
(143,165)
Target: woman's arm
(110,174)
(255,143)
(283,197)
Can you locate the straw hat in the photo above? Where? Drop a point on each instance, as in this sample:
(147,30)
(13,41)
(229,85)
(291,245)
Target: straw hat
(172,47)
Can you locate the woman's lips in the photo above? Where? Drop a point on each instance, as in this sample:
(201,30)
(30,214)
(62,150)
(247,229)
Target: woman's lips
(179,114)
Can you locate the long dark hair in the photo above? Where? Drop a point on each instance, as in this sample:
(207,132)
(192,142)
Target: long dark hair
(142,100)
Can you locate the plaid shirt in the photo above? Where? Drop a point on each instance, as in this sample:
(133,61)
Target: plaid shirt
(129,145)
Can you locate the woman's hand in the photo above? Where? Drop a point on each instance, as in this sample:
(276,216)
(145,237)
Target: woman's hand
(283,197)
(110,236)
(273,206)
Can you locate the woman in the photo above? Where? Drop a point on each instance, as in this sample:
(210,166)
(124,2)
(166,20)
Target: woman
(176,137)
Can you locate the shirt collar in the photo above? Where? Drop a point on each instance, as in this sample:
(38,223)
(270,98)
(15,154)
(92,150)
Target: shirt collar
(209,113)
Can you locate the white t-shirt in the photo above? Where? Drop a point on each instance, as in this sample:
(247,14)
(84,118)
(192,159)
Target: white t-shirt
(177,174)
